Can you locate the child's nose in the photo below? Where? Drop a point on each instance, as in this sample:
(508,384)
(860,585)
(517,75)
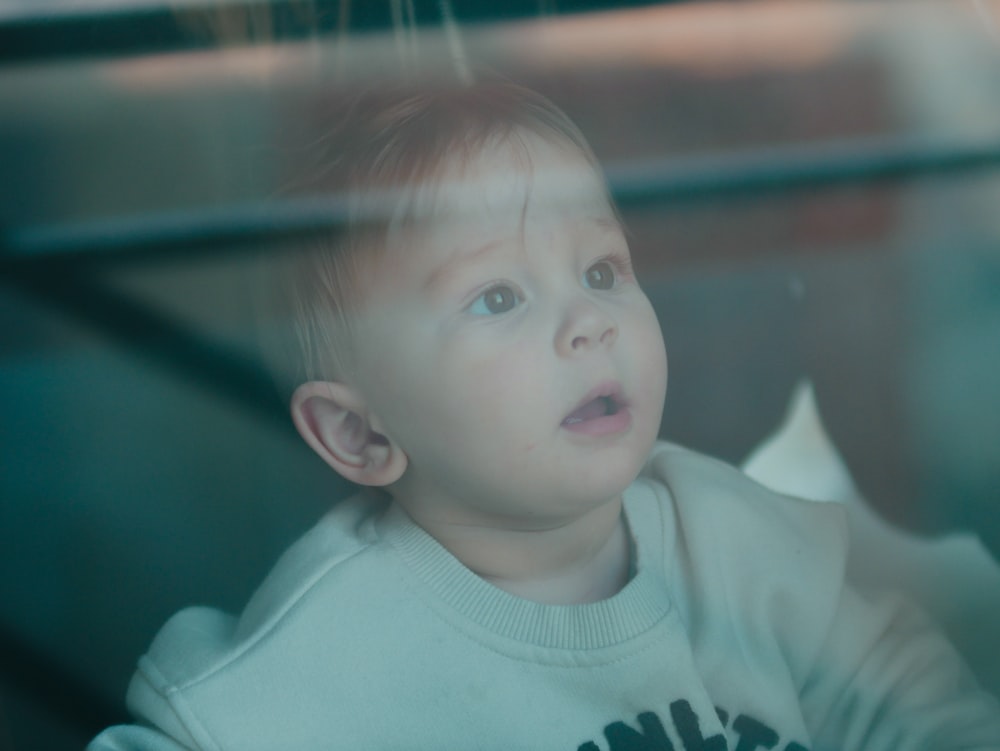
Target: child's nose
(585,328)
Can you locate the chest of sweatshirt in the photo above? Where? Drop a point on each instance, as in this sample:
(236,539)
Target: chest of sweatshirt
(399,646)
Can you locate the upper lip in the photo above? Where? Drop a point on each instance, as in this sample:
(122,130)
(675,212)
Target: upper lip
(605,390)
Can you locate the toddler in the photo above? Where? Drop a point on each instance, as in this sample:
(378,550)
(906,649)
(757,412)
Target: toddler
(534,571)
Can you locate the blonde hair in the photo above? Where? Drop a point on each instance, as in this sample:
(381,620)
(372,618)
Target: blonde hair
(388,150)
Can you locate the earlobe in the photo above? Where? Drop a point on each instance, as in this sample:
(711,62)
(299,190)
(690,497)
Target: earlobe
(334,420)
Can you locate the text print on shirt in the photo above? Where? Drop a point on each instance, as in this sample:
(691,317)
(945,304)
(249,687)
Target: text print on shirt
(652,736)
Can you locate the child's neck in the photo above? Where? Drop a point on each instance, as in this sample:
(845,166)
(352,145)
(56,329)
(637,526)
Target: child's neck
(584,560)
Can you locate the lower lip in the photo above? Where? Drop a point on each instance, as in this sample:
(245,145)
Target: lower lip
(607,425)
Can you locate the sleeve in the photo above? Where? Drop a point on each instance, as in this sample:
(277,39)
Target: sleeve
(887,678)
(192,641)
(134,738)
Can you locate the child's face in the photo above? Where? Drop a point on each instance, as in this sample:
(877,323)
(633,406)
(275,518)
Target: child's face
(506,347)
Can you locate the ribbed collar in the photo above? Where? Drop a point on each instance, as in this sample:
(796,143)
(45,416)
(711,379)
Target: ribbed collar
(635,609)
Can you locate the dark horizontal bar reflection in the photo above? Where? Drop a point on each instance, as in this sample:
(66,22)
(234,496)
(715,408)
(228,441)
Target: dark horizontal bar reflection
(668,180)
(38,31)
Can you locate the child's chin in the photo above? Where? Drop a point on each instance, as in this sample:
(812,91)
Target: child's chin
(631,464)
(612,478)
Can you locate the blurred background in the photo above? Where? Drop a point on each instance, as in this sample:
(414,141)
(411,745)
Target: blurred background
(813,194)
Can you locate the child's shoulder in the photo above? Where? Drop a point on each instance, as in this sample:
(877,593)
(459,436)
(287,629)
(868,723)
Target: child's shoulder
(775,564)
(719,525)
(199,641)
(707,494)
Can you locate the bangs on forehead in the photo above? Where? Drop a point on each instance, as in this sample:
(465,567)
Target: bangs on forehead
(412,147)
(441,190)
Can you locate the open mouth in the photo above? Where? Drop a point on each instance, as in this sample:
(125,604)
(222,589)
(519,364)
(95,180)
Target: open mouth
(601,406)
(603,412)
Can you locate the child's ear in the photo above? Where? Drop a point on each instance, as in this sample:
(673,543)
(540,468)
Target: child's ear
(334,420)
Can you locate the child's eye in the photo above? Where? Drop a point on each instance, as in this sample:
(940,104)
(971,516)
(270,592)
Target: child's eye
(600,276)
(495,300)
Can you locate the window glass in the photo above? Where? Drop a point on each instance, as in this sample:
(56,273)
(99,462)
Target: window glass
(811,192)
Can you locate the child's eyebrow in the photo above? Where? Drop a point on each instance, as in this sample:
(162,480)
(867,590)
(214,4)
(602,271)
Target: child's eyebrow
(461,257)
(605,222)
(458,259)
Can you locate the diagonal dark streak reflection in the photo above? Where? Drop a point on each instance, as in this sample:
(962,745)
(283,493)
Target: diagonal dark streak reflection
(227,372)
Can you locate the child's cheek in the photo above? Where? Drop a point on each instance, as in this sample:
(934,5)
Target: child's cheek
(509,381)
